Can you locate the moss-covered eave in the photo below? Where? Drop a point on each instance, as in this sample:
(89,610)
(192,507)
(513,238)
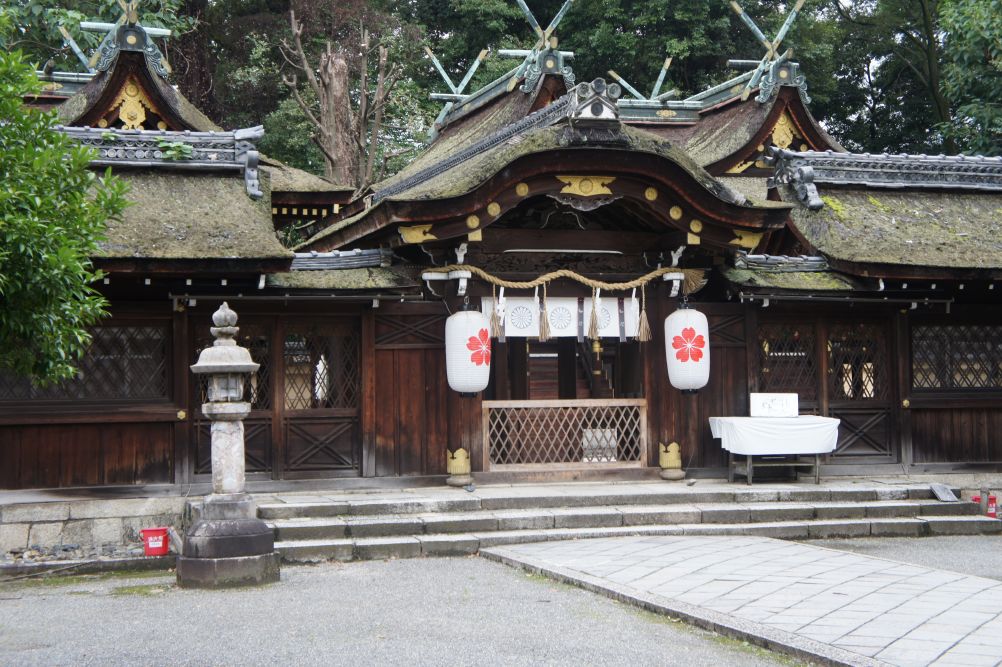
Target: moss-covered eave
(709,183)
(794,282)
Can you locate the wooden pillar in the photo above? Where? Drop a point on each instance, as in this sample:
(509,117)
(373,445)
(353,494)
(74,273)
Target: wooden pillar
(182,355)
(518,365)
(900,356)
(567,368)
(368,363)
(277,341)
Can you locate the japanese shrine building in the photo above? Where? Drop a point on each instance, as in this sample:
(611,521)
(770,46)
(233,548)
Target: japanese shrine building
(866,284)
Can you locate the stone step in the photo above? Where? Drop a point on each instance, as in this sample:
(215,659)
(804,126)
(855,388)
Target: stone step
(613,495)
(410,546)
(603,517)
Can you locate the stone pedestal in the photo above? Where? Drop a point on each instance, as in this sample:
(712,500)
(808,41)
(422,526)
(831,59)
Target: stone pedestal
(457,464)
(226,545)
(672,475)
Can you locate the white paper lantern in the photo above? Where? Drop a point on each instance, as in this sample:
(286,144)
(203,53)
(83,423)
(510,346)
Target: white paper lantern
(687,349)
(468,351)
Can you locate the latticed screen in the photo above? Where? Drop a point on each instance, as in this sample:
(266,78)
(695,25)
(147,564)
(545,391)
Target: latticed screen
(255,337)
(857,362)
(573,434)
(957,357)
(788,359)
(321,367)
(122,363)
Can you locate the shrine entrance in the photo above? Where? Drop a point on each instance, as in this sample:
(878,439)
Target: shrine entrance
(305,415)
(565,403)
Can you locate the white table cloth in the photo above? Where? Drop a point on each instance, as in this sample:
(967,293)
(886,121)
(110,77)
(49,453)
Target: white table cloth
(756,436)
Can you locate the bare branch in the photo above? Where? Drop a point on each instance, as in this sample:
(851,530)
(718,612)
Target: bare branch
(297,34)
(323,149)
(291,83)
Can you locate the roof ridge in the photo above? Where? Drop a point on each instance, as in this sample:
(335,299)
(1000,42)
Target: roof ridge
(803,170)
(546,116)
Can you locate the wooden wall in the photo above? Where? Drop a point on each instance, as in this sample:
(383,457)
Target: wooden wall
(415,417)
(968,434)
(65,455)
(683,418)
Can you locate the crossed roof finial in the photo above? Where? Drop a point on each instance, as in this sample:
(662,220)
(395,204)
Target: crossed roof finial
(545,38)
(771,56)
(656,96)
(545,41)
(129,17)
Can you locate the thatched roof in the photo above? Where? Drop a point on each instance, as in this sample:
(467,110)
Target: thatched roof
(808,281)
(465,132)
(74,108)
(723,131)
(290,179)
(192,215)
(371,278)
(954,230)
(754,187)
(466,176)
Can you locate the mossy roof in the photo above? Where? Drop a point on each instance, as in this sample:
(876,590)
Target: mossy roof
(466,176)
(471,173)
(290,179)
(186,215)
(951,230)
(719,133)
(807,281)
(77,105)
(753,187)
(722,132)
(464,132)
(371,278)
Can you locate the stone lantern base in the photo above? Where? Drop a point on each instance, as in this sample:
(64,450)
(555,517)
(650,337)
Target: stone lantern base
(227,546)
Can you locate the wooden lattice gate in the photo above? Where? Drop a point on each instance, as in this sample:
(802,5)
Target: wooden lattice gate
(838,369)
(305,399)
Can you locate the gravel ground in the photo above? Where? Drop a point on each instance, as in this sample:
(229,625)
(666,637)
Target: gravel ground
(978,555)
(463,611)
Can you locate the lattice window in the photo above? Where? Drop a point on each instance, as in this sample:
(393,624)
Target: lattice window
(256,338)
(322,367)
(857,362)
(572,434)
(957,357)
(122,363)
(788,359)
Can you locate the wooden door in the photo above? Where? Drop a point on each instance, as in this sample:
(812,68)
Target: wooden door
(257,334)
(859,390)
(305,398)
(320,398)
(840,369)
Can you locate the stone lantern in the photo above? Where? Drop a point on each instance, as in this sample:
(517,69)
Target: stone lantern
(226,545)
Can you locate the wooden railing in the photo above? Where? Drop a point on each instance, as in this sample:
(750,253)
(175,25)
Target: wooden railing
(582,432)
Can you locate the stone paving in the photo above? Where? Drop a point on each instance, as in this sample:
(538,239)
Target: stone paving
(842,607)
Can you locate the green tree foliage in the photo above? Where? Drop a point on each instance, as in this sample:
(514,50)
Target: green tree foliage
(53,210)
(972,74)
(884,75)
(633,37)
(36,25)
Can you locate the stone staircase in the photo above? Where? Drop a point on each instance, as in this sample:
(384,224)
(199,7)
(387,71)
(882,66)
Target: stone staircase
(447,522)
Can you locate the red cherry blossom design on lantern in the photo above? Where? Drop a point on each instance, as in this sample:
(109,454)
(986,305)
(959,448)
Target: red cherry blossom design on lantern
(689,345)
(481,347)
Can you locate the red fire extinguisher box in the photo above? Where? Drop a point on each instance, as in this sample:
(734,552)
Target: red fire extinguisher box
(156,541)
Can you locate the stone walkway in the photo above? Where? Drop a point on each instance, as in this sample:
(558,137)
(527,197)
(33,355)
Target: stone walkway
(810,601)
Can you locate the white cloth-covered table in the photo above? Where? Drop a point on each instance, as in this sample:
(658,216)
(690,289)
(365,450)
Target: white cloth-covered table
(759,436)
(805,435)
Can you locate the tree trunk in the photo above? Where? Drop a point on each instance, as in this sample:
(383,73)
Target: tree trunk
(193,60)
(379,103)
(337,135)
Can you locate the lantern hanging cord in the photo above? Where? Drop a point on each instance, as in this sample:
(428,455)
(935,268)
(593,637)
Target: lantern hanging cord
(693,278)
